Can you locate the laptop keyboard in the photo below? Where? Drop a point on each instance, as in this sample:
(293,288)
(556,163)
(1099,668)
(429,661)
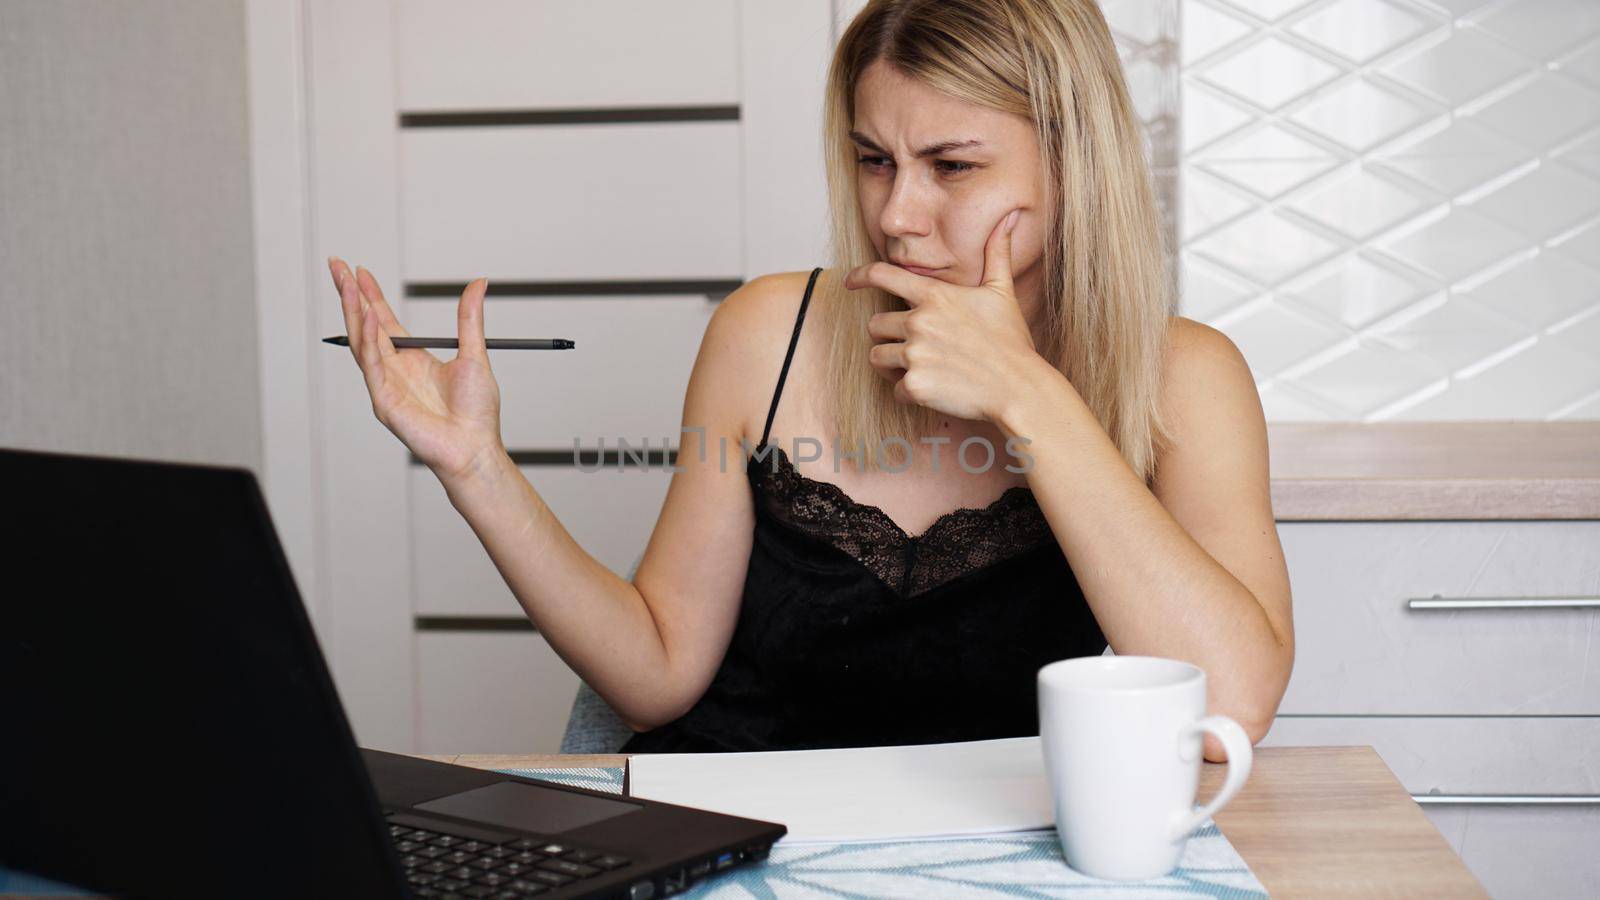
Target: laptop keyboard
(448,865)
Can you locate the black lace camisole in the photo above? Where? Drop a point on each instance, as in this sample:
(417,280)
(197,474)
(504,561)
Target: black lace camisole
(852,633)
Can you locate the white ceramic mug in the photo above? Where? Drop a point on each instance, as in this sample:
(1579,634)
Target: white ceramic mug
(1122,741)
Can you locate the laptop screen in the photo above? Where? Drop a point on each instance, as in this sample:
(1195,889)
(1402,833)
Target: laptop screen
(169,725)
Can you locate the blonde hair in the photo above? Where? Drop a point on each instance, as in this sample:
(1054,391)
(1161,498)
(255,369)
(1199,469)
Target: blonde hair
(1106,298)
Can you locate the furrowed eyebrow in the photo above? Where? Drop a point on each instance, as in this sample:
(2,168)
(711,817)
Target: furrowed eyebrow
(930,150)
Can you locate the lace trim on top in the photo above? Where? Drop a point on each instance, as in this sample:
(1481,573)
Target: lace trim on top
(958,542)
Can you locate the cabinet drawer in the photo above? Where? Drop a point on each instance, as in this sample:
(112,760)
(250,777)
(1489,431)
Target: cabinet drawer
(1449,756)
(1526,852)
(1368,641)
(626,378)
(491,692)
(571,202)
(496,54)
(610,513)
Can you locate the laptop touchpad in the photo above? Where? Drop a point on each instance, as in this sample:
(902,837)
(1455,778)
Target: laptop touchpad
(528,807)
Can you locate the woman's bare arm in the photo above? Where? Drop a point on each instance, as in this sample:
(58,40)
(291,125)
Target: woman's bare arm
(649,647)
(1191,567)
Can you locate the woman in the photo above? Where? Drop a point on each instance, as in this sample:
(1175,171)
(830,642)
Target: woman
(1000,281)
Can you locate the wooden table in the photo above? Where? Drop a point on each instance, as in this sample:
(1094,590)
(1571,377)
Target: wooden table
(1310,822)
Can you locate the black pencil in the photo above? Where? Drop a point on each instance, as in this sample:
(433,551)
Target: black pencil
(450,343)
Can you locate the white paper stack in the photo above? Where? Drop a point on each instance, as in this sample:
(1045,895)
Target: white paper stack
(920,791)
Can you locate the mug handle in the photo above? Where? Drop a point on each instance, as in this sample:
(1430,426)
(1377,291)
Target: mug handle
(1237,745)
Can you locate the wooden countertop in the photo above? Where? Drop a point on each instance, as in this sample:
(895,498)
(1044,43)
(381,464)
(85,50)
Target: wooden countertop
(1435,470)
(1310,822)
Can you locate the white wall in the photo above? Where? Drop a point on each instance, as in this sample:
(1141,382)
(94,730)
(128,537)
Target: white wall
(127,310)
(1393,207)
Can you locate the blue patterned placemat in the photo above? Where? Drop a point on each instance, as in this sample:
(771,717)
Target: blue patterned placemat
(1025,864)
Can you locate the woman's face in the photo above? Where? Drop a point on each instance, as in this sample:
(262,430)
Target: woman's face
(937,209)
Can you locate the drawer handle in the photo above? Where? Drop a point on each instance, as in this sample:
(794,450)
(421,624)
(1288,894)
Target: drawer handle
(1508,799)
(1438,602)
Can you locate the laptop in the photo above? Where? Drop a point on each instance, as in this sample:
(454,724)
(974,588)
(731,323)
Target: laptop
(168,726)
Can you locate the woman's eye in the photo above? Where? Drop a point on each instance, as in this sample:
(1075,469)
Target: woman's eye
(947,166)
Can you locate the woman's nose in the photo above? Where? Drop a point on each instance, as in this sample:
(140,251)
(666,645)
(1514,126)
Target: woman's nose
(908,210)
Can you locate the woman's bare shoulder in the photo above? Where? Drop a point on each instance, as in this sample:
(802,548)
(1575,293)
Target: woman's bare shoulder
(783,290)
(1195,349)
(759,315)
(748,336)
(1209,393)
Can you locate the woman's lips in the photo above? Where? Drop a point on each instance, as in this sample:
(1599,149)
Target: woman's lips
(919,270)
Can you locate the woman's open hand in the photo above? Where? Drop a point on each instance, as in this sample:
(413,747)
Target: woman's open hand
(448,414)
(960,350)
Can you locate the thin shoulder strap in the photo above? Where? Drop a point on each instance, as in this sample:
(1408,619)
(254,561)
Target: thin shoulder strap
(793,340)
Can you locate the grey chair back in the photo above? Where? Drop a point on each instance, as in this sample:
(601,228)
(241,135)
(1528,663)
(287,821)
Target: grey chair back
(593,726)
